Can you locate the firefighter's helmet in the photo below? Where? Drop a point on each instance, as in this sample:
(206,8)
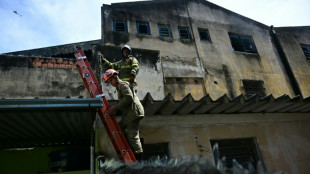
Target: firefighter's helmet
(126,46)
(108,74)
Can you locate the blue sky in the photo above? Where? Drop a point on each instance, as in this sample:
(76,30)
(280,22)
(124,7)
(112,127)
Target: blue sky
(44,23)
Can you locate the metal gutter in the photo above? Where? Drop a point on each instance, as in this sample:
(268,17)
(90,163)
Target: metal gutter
(43,104)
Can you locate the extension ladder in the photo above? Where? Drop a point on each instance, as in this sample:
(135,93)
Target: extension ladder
(109,121)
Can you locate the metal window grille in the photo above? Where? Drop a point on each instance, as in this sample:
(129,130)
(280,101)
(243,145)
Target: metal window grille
(204,34)
(164,31)
(184,33)
(120,26)
(154,150)
(253,87)
(143,28)
(243,150)
(306,50)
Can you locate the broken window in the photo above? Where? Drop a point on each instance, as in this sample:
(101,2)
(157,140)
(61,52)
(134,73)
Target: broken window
(245,151)
(242,43)
(252,87)
(120,26)
(155,150)
(164,30)
(184,33)
(204,34)
(143,28)
(306,50)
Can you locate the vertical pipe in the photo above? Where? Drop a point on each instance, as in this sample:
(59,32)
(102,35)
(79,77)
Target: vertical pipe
(92,146)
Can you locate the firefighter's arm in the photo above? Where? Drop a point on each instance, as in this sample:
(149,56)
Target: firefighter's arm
(128,97)
(108,64)
(134,70)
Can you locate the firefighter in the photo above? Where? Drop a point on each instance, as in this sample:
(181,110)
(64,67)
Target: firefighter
(128,67)
(131,108)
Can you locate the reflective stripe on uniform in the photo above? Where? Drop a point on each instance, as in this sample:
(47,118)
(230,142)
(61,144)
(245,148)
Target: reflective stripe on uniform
(126,66)
(125,79)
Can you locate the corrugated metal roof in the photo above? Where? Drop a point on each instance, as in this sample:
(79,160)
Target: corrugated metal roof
(224,105)
(46,122)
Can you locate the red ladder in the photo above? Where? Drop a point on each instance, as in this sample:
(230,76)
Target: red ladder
(110,123)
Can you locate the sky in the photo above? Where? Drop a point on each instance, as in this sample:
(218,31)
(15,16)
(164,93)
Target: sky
(30,24)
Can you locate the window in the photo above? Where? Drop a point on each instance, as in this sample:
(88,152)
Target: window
(184,33)
(306,50)
(154,150)
(164,31)
(143,28)
(243,150)
(120,26)
(242,43)
(253,87)
(204,34)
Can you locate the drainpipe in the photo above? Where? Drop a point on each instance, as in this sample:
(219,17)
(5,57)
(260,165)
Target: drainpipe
(285,62)
(92,147)
(198,60)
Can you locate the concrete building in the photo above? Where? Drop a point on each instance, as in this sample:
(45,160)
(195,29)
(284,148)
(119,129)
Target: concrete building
(208,75)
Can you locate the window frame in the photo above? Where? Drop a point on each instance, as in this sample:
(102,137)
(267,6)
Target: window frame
(184,28)
(238,44)
(167,26)
(115,21)
(306,53)
(200,30)
(247,85)
(142,23)
(247,146)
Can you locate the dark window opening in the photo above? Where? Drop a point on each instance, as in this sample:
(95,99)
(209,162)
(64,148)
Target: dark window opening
(164,31)
(143,28)
(155,150)
(242,43)
(244,151)
(204,34)
(184,33)
(120,26)
(306,50)
(253,87)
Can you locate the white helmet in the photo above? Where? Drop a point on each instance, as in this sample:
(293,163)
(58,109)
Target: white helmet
(126,46)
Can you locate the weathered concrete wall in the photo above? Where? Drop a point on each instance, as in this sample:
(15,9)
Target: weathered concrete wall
(265,65)
(221,68)
(26,77)
(149,78)
(290,39)
(283,139)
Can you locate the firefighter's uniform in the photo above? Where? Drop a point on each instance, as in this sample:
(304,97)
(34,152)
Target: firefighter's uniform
(132,113)
(126,67)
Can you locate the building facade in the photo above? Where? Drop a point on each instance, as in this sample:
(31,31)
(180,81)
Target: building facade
(208,77)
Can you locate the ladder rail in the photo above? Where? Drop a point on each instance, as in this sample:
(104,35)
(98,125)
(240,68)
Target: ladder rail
(110,123)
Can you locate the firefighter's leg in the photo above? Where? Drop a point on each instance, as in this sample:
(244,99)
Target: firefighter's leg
(133,136)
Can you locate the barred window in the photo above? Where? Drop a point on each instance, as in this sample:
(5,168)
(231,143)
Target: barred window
(204,34)
(120,26)
(143,28)
(306,50)
(184,33)
(164,31)
(253,87)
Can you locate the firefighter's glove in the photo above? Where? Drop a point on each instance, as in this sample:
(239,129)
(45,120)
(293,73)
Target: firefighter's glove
(132,78)
(112,110)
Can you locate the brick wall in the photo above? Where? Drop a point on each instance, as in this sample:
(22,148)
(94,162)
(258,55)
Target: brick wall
(53,62)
